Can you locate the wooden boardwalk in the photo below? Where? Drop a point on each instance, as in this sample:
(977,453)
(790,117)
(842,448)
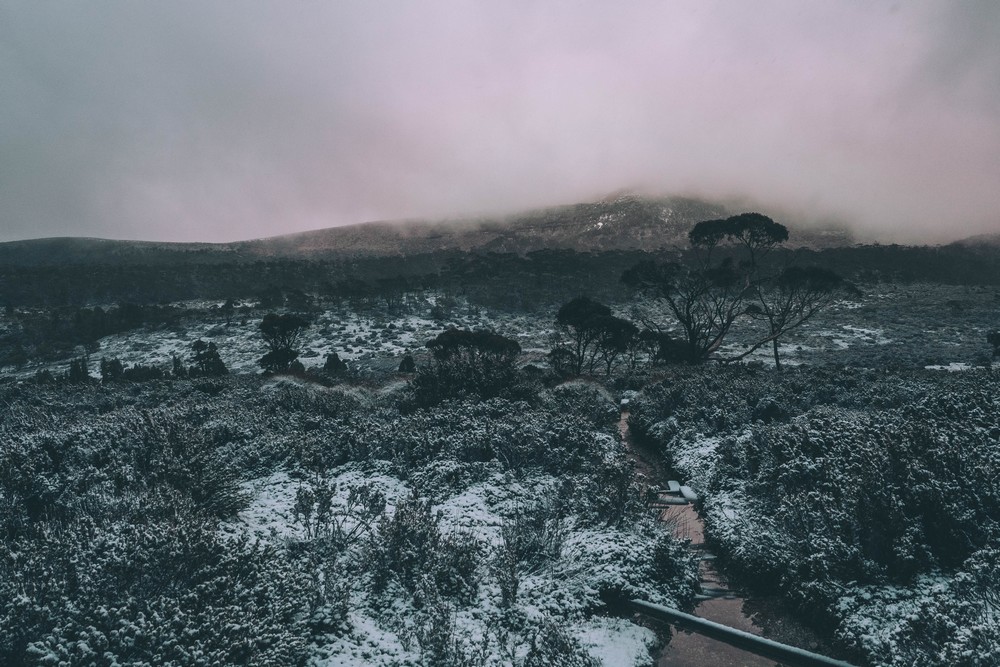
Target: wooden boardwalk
(714,588)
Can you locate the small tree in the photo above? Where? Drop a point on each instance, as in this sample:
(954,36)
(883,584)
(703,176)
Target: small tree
(79,373)
(617,337)
(44,376)
(228,309)
(792,299)
(177,368)
(334,365)
(661,347)
(111,370)
(582,321)
(993,338)
(563,361)
(206,359)
(479,363)
(281,334)
(407,365)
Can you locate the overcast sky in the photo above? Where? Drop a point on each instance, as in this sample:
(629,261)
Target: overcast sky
(211,120)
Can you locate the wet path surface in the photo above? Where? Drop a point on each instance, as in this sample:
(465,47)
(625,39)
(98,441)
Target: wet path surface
(725,602)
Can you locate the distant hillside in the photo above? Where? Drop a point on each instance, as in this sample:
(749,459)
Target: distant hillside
(76,250)
(622,223)
(981,240)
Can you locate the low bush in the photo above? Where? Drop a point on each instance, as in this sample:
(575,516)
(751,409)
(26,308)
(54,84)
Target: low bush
(159,593)
(824,482)
(410,549)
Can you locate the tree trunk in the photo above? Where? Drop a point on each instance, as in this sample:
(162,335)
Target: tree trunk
(777,359)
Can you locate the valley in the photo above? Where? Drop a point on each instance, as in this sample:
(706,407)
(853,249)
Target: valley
(430,470)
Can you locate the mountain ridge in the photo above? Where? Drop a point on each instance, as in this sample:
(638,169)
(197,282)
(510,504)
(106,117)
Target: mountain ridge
(621,222)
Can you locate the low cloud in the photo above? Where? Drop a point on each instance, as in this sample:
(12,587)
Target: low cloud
(230,120)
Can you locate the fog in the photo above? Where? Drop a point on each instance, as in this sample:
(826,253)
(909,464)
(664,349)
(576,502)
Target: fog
(217,121)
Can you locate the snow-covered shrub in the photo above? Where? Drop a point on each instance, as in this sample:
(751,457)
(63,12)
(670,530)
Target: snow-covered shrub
(511,432)
(887,494)
(727,399)
(410,549)
(334,529)
(585,399)
(552,646)
(291,397)
(937,620)
(63,473)
(608,566)
(456,564)
(442,642)
(443,478)
(469,364)
(533,536)
(162,593)
(612,496)
(877,481)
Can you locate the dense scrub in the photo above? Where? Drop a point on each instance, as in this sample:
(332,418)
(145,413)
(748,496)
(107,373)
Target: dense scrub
(244,520)
(870,498)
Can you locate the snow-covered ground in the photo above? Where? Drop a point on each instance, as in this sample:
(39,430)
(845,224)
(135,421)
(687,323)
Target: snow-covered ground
(890,321)
(356,337)
(592,559)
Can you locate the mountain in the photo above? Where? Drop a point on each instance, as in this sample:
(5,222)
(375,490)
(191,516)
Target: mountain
(980,241)
(624,222)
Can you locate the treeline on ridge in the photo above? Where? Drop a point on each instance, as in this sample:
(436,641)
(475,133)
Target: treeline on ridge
(504,280)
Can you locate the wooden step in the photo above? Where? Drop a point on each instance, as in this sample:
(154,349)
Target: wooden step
(700,597)
(712,592)
(664,503)
(689,494)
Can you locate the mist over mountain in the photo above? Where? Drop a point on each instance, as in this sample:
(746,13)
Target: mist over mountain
(618,222)
(215,121)
(981,240)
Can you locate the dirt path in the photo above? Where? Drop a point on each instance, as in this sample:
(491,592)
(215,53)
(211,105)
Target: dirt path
(725,602)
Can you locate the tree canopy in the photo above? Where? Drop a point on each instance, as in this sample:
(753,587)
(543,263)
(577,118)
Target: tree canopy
(467,363)
(281,334)
(707,294)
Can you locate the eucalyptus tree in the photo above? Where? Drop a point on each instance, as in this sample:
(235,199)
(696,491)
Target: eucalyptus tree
(791,299)
(993,338)
(724,279)
(477,363)
(281,334)
(582,322)
(708,291)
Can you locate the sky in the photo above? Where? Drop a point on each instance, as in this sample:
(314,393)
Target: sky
(216,120)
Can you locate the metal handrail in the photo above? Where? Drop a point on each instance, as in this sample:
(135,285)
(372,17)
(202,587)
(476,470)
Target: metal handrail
(791,656)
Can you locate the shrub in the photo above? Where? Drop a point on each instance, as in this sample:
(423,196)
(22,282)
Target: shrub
(407,365)
(410,549)
(206,360)
(551,646)
(337,528)
(442,643)
(478,364)
(586,399)
(154,594)
(281,334)
(333,364)
(530,539)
